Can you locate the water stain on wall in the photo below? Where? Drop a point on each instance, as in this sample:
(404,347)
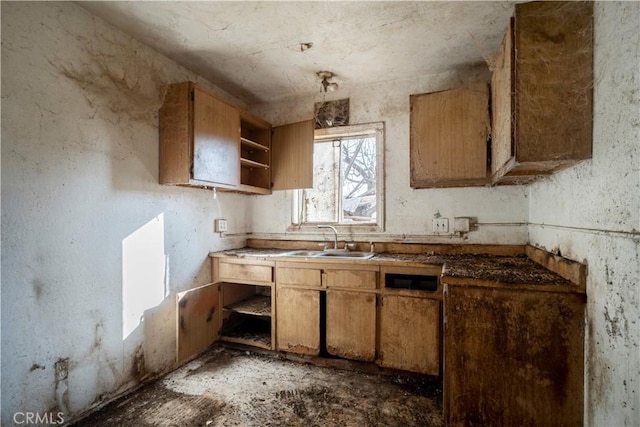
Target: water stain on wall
(138,368)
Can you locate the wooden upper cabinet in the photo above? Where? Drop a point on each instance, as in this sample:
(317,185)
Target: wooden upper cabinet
(199,139)
(448,137)
(216,136)
(293,156)
(205,142)
(542,91)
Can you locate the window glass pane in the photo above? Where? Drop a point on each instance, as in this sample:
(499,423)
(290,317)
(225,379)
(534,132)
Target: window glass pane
(358,195)
(319,203)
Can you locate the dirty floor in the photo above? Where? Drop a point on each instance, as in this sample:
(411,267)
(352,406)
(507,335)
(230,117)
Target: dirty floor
(230,387)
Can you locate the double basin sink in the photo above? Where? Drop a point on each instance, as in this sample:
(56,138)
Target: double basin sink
(329,254)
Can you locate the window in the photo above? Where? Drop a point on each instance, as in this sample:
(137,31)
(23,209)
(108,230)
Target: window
(348,179)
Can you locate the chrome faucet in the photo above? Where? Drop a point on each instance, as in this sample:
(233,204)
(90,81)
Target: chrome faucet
(335,236)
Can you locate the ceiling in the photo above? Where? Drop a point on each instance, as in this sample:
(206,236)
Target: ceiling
(253,49)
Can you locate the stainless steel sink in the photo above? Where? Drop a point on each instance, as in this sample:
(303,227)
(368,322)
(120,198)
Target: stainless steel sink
(329,254)
(302,253)
(348,255)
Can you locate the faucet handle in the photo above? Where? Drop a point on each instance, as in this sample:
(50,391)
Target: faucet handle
(348,246)
(324,246)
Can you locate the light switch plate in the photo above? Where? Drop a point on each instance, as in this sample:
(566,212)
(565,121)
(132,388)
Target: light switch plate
(220,225)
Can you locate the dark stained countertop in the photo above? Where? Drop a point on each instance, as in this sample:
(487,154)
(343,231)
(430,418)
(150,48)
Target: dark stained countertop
(458,269)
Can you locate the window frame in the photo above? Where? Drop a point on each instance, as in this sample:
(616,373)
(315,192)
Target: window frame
(327,134)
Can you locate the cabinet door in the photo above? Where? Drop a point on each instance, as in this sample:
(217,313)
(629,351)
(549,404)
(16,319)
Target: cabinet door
(351,325)
(216,140)
(513,357)
(292,156)
(298,320)
(198,320)
(502,149)
(448,137)
(553,81)
(410,334)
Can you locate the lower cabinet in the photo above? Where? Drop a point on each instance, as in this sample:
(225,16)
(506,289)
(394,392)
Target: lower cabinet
(410,333)
(351,325)
(513,357)
(298,320)
(246,314)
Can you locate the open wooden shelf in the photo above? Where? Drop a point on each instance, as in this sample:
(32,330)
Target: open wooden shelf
(253,144)
(253,164)
(256,305)
(247,329)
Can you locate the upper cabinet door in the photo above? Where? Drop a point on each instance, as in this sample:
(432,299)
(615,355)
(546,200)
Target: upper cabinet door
(292,156)
(216,140)
(448,137)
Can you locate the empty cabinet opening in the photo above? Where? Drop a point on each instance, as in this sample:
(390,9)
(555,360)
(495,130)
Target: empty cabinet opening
(416,282)
(246,314)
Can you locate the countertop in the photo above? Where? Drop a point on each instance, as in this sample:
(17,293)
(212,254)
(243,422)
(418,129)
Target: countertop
(458,269)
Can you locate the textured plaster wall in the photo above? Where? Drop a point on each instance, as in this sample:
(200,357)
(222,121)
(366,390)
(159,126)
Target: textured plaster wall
(592,212)
(501,211)
(86,229)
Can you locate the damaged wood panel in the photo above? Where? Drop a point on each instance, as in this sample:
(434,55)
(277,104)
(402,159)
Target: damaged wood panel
(298,320)
(448,137)
(572,271)
(410,337)
(198,320)
(513,357)
(351,325)
(554,81)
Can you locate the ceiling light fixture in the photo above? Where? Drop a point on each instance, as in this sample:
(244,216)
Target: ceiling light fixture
(326,76)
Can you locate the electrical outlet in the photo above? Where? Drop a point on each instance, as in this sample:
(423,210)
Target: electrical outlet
(440,225)
(220,225)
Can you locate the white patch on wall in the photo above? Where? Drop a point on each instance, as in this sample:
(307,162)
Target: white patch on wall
(143,273)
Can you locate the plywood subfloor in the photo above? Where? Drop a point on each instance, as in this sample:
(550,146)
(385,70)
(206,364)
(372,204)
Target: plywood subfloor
(229,387)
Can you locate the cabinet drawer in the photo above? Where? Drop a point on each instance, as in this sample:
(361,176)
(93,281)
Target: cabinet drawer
(354,279)
(299,276)
(245,272)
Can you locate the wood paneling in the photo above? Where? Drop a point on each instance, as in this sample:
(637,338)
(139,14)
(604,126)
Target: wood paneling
(410,336)
(298,320)
(351,325)
(292,156)
(513,357)
(216,140)
(448,137)
(198,322)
